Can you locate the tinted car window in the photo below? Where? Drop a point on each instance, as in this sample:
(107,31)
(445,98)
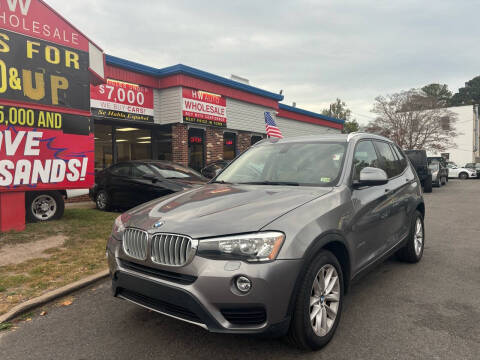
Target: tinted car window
(141,169)
(402,161)
(365,156)
(388,162)
(121,170)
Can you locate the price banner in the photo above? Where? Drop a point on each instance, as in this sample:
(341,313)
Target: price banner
(201,107)
(46,135)
(121,100)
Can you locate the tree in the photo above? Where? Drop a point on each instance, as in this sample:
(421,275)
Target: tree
(413,121)
(350,126)
(438,91)
(339,110)
(468,95)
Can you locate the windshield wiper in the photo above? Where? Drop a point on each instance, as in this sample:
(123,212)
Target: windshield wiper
(287,183)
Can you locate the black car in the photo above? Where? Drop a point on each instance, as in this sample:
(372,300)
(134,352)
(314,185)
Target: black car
(418,158)
(214,168)
(128,184)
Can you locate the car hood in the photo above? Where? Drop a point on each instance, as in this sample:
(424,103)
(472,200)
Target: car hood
(220,209)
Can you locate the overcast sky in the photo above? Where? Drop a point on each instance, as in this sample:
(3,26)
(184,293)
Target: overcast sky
(315,50)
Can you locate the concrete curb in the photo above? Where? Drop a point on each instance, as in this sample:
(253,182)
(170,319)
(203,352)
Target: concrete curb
(54,294)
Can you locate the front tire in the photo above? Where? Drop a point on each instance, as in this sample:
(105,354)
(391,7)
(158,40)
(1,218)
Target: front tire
(102,201)
(44,206)
(319,303)
(463,176)
(412,252)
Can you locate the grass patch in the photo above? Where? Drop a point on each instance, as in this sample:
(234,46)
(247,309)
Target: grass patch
(82,254)
(5,326)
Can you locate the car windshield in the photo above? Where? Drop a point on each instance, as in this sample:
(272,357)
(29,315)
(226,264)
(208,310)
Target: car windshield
(314,164)
(174,171)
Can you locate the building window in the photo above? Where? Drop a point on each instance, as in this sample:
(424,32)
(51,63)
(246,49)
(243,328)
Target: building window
(255,138)
(229,145)
(103,146)
(196,152)
(163,143)
(133,143)
(445,122)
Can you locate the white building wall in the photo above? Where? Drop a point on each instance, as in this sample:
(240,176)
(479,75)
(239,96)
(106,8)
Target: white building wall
(463,152)
(292,128)
(245,116)
(168,105)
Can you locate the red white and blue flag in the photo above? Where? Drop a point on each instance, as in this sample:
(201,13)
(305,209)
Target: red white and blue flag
(271,127)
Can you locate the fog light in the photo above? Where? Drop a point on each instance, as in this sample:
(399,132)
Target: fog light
(243,284)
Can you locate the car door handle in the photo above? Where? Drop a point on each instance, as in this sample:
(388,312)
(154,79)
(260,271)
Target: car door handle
(387,190)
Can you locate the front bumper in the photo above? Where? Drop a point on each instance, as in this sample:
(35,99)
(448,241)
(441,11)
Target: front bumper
(203,292)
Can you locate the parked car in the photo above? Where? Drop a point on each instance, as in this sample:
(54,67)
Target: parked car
(128,184)
(439,172)
(272,244)
(460,172)
(418,158)
(475,166)
(214,168)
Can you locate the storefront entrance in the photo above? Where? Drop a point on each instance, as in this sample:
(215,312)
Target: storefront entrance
(229,145)
(115,143)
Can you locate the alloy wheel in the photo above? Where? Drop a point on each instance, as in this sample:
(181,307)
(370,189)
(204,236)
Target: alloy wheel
(418,237)
(324,300)
(101,200)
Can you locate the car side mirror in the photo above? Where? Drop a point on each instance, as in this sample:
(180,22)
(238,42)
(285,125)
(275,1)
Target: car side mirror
(370,176)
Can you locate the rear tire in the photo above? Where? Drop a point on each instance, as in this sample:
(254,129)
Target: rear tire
(318,307)
(43,206)
(412,252)
(428,185)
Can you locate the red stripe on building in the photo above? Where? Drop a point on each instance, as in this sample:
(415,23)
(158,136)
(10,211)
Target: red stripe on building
(308,119)
(194,83)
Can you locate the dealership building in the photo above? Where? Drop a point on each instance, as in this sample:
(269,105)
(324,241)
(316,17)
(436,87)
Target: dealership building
(186,115)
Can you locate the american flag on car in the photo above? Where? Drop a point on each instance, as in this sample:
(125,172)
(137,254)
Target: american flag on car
(271,126)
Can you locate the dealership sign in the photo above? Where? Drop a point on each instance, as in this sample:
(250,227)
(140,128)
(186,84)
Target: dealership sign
(121,100)
(202,107)
(46,65)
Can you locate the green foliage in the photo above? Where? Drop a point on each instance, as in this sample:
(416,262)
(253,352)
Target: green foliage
(338,110)
(468,95)
(5,326)
(440,92)
(350,126)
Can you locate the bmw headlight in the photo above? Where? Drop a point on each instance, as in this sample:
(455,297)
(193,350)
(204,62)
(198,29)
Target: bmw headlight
(119,225)
(257,247)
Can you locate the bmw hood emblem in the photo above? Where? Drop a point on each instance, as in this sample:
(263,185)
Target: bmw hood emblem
(158,224)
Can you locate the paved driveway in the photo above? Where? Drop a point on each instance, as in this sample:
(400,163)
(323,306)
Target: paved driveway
(426,311)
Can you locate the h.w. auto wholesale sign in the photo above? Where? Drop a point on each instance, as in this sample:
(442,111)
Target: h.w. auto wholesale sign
(46,139)
(202,107)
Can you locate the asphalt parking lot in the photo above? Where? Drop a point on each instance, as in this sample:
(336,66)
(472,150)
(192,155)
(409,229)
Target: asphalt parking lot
(430,310)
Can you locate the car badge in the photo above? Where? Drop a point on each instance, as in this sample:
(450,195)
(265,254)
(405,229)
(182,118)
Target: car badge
(158,224)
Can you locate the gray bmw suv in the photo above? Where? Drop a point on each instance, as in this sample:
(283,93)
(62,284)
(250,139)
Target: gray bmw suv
(273,242)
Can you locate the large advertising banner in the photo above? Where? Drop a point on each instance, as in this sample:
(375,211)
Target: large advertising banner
(201,107)
(46,134)
(121,100)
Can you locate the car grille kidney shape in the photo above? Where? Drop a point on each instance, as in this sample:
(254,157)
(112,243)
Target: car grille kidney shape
(135,243)
(171,249)
(166,249)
